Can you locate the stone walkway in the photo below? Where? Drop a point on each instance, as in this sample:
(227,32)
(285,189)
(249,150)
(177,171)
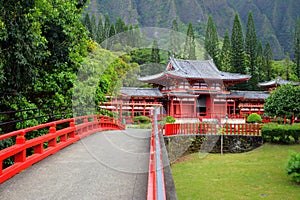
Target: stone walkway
(107,165)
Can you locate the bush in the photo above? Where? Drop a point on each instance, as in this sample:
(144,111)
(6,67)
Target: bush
(280,133)
(141,119)
(254,118)
(169,120)
(293,167)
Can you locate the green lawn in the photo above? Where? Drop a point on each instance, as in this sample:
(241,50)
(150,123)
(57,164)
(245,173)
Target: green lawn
(259,174)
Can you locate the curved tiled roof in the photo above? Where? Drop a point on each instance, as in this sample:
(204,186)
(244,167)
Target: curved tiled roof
(141,92)
(194,69)
(276,81)
(249,94)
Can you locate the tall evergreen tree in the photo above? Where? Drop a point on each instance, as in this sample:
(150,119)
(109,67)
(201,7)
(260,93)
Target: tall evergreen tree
(87,23)
(260,63)
(120,25)
(211,41)
(174,40)
(155,57)
(106,30)
(251,42)
(237,46)
(226,54)
(297,47)
(93,27)
(190,46)
(268,57)
(100,31)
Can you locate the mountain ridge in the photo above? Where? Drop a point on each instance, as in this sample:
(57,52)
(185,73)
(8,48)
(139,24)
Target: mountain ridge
(274,19)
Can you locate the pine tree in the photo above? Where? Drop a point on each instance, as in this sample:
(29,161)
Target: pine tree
(87,23)
(211,41)
(297,47)
(237,46)
(120,25)
(260,63)
(226,59)
(106,30)
(268,57)
(100,31)
(155,57)
(174,40)
(93,28)
(189,46)
(250,48)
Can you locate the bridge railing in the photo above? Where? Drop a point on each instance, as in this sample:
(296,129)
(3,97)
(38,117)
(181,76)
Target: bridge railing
(211,129)
(156,182)
(60,134)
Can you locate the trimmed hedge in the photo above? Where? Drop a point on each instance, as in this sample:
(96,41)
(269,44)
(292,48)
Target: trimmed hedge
(141,119)
(281,133)
(254,118)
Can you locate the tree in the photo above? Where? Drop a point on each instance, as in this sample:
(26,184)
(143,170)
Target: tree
(155,57)
(268,57)
(297,47)
(237,46)
(284,101)
(93,28)
(174,40)
(260,63)
(189,46)
(211,41)
(226,54)
(42,45)
(100,31)
(250,48)
(287,61)
(251,43)
(106,30)
(88,24)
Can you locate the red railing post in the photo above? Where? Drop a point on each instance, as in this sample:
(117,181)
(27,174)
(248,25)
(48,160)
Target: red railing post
(52,130)
(20,140)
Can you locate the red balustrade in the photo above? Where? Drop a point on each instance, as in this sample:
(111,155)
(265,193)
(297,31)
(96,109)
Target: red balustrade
(212,129)
(51,142)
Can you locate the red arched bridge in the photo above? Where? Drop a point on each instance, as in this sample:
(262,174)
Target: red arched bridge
(112,163)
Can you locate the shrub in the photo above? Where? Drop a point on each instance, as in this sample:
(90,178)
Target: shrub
(280,133)
(254,118)
(293,167)
(141,119)
(169,120)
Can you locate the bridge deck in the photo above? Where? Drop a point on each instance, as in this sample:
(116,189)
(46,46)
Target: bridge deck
(106,165)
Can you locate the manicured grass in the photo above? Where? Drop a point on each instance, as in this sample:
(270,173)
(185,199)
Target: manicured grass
(259,174)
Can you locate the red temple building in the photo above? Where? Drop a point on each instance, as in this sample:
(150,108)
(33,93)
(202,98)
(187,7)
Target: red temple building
(189,89)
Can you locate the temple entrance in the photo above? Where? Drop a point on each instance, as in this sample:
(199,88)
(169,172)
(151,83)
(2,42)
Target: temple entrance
(201,105)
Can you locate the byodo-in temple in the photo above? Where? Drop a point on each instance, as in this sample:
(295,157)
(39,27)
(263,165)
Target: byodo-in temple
(190,89)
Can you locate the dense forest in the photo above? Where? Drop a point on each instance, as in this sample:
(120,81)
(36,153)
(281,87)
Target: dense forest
(274,19)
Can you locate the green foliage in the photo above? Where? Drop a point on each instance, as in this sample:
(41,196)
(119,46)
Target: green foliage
(189,46)
(293,167)
(280,133)
(211,41)
(237,46)
(254,118)
(168,120)
(297,46)
(141,119)
(226,54)
(284,101)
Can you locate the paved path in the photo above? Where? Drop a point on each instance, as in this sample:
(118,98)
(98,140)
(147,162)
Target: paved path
(107,165)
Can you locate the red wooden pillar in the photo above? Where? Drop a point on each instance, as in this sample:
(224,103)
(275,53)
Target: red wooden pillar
(195,106)
(21,156)
(180,108)
(132,109)
(171,108)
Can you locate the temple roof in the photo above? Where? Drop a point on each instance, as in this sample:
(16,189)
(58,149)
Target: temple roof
(141,92)
(277,81)
(262,95)
(193,69)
